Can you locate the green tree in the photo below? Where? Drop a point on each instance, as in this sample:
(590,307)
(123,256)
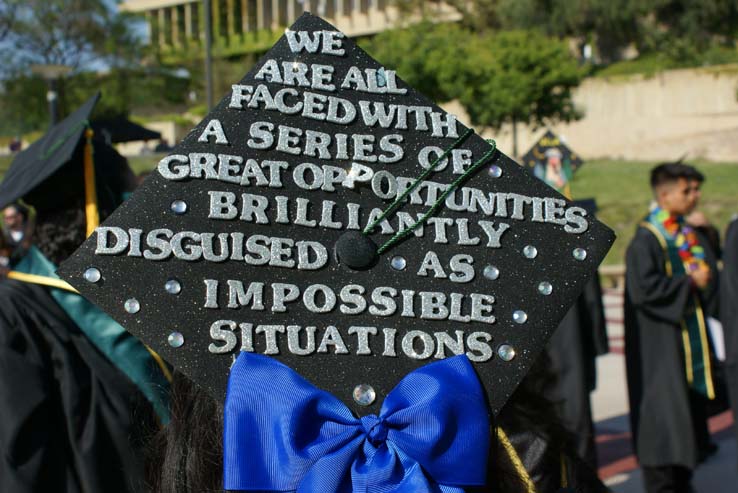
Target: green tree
(610,25)
(681,30)
(86,35)
(8,15)
(76,33)
(477,15)
(672,27)
(505,77)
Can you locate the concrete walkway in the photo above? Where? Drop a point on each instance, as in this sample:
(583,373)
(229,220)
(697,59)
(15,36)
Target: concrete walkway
(618,466)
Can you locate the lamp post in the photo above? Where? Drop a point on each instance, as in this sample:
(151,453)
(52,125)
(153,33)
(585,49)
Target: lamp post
(51,74)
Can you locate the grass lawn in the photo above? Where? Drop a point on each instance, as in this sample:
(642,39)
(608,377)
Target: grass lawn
(623,194)
(620,188)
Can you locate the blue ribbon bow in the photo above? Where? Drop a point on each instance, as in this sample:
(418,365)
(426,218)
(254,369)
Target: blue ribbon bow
(283,434)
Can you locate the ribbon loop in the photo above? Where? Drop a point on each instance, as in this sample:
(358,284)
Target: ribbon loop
(283,434)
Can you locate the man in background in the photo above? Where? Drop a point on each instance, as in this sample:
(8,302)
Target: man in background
(668,356)
(15,218)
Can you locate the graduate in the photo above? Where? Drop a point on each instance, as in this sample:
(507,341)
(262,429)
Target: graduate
(582,335)
(729,294)
(324,261)
(573,349)
(77,392)
(668,357)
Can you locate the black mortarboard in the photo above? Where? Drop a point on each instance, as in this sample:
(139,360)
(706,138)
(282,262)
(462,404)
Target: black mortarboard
(589,205)
(551,149)
(49,173)
(121,129)
(45,156)
(243,238)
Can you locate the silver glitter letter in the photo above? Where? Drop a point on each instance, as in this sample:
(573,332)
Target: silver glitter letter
(332,337)
(444,340)
(293,340)
(362,337)
(179,172)
(319,255)
(462,268)
(408,344)
(211,293)
(223,330)
(431,262)
(353,295)
(389,342)
(493,235)
(482,304)
(121,240)
(237,297)
(478,341)
(576,220)
(283,293)
(310,293)
(222,205)
(213,128)
(270,336)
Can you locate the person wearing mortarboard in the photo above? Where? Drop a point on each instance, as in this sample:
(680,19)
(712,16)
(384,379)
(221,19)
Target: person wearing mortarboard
(667,350)
(70,377)
(555,171)
(305,422)
(581,336)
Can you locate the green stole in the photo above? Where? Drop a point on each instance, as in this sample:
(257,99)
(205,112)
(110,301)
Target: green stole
(694,327)
(127,353)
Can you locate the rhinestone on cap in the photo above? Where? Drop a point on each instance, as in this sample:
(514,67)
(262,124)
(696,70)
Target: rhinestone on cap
(132,305)
(530,251)
(545,288)
(579,254)
(175,339)
(364,394)
(92,274)
(172,286)
(179,207)
(495,171)
(506,352)
(491,272)
(520,317)
(398,262)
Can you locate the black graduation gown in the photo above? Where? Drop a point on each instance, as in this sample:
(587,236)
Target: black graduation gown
(545,466)
(540,440)
(661,419)
(573,349)
(66,421)
(729,307)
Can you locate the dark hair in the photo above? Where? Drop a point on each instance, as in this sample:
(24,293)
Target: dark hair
(187,455)
(695,175)
(671,172)
(61,224)
(58,233)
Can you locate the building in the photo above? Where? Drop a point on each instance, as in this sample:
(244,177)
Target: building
(176,27)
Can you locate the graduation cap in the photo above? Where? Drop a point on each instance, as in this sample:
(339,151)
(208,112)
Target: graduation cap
(68,163)
(328,216)
(120,129)
(588,204)
(553,161)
